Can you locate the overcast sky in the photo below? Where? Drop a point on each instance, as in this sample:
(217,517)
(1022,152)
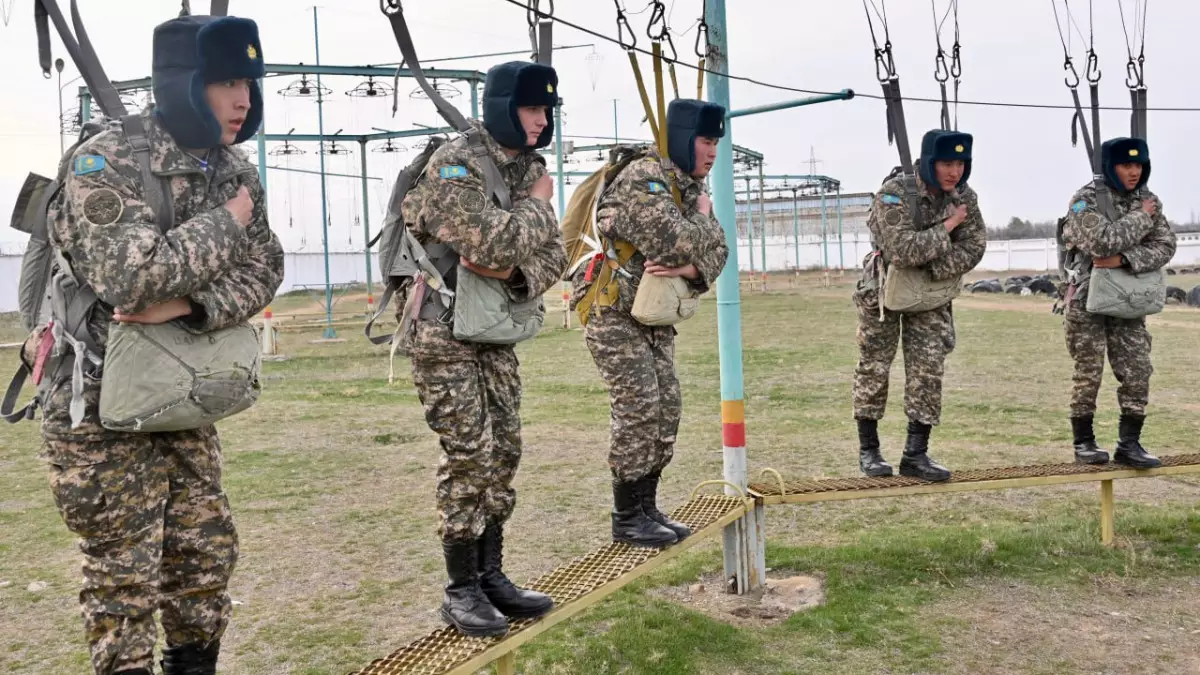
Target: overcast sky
(1024,162)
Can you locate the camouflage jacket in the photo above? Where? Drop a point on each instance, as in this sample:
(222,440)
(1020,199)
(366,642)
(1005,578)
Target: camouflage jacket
(1146,241)
(638,208)
(920,240)
(101,223)
(448,206)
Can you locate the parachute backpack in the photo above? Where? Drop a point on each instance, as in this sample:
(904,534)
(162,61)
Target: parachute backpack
(198,379)
(660,301)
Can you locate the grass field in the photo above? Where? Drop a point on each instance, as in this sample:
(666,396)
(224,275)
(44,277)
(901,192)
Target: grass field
(331,479)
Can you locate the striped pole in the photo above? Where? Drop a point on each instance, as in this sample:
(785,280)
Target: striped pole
(745,562)
(268,333)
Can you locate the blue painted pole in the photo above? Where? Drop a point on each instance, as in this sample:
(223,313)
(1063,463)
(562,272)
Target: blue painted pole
(329,333)
(841,250)
(558,155)
(744,557)
(749,221)
(843,95)
(796,225)
(824,236)
(762,219)
(616,135)
(474,99)
(262,150)
(366,207)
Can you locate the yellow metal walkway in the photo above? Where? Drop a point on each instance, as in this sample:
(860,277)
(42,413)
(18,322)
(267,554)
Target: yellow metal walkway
(585,581)
(575,586)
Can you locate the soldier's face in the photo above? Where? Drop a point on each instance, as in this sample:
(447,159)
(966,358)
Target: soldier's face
(706,155)
(1130,174)
(948,173)
(230,103)
(534,120)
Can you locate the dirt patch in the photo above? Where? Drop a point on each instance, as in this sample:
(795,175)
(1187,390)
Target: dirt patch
(782,596)
(1115,626)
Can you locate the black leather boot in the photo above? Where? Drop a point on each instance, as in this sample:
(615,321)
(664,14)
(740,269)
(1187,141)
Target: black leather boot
(512,601)
(629,521)
(916,462)
(135,671)
(648,488)
(1086,450)
(464,605)
(1129,448)
(870,460)
(195,659)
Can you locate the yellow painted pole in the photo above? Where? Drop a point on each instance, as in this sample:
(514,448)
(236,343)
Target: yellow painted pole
(1106,512)
(506,665)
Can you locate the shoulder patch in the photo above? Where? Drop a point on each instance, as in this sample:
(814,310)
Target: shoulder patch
(456,171)
(656,187)
(1079,206)
(85,164)
(102,207)
(890,199)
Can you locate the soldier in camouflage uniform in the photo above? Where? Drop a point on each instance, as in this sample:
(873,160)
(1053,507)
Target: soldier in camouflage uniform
(472,391)
(636,361)
(154,523)
(947,237)
(1139,239)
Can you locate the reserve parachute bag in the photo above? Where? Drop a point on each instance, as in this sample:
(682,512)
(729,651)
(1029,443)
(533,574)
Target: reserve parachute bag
(912,290)
(1120,293)
(659,301)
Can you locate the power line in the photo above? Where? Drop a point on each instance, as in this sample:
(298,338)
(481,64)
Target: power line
(815,92)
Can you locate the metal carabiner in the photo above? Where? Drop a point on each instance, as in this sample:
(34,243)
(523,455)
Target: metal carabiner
(1133,74)
(702,30)
(1069,66)
(885,67)
(940,72)
(1093,67)
(956,61)
(389,7)
(624,29)
(671,44)
(659,13)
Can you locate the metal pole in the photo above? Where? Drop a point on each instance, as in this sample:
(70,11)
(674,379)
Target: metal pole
(558,155)
(85,107)
(749,224)
(474,99)
(843,95)
(762,217)
(796,225)
(62,150)
(745,561)
(616,133)
(824,237)
(841,253)
(362,149)
(329,333)
(262,149)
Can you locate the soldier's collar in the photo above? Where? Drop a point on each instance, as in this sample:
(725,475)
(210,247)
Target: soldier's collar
(168,159)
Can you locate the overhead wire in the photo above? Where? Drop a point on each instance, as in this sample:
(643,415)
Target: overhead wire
(818,92)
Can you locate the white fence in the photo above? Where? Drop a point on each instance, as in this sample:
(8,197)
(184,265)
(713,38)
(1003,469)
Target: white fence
(308,269)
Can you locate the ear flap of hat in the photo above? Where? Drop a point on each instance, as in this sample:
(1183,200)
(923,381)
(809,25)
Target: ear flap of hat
(510,86)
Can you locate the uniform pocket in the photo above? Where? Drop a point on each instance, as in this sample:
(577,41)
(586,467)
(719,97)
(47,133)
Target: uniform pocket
(110,500)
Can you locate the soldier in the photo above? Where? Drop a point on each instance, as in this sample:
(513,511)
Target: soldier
(947,237)
(1140,239)
(472,391)
(637,361)
(154,522)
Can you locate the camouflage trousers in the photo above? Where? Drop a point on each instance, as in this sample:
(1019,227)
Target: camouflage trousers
(156,533)
(637,363)
(927,337)
(1127,343)
(472,400)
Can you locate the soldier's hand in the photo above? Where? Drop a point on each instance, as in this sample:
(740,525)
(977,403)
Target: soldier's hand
(487,271)
(1111,262)
(704,204)
(1148,206)
(960,214)
(241,206)
(688,271)
(155,314)
(543,189)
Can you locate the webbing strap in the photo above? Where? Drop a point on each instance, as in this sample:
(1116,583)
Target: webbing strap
(82,54)
(641,85)
(898,131)
(10,398)
(1138,116)
(493,181)
(219,8)
(545,45)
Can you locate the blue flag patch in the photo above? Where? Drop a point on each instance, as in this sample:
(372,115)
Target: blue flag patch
(656,187)
(890,199)
(86,164)
(1079,206)
(456,171)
